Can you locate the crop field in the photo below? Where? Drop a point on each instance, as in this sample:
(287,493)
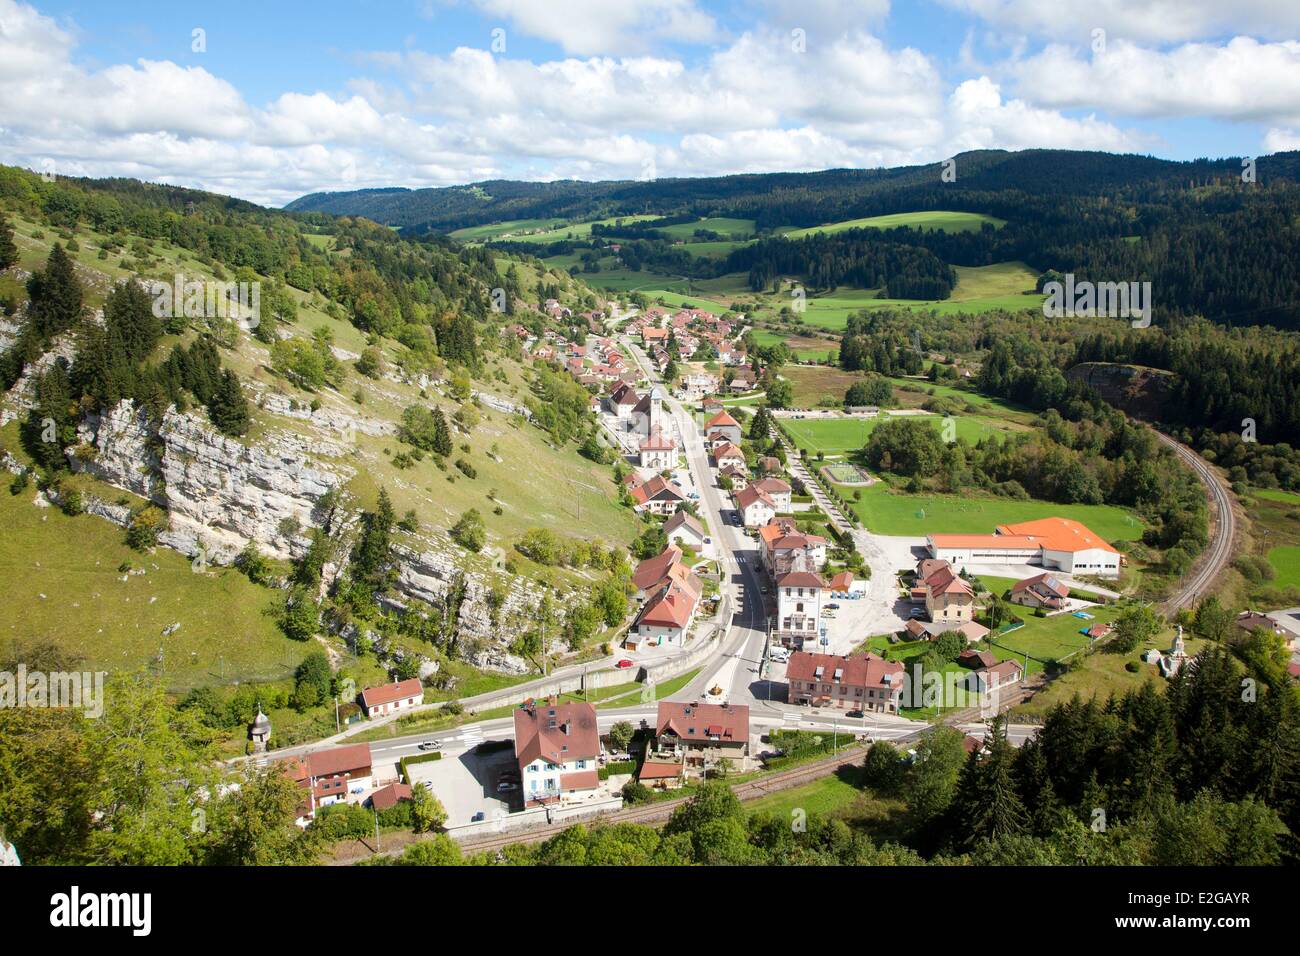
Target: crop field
(897,513)
(934,219)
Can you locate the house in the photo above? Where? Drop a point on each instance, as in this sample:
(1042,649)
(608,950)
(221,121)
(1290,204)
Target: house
(330,776)
(1001,681)
(1058,543)
(657,496)
(1042,590)
(390,698)
(665,618)
(976,659)
(556,748)
(799,607)
(927,566)
(622,399)
(736,474)
(666,772)
(743,380)
(785,547)
(776,489)
(755,507)
(1253,621)
(728,455)
(390,796)
(685,529)
(658,451)
(701,735)
(723,425)
(846,583)
(947,597)
(712,406)
(653,573)
(854,682)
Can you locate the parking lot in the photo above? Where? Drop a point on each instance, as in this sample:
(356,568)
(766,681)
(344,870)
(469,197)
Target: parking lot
(466,783)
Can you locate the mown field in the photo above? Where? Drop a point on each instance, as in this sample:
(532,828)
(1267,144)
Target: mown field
(947,221)
(1051,638)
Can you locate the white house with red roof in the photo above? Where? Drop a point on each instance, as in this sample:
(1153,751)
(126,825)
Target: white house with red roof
(390,698)
(728,455)
(700,736)
(755,506)
(556,747)
(334,775)
(657,496)
(685,529)
(776,489)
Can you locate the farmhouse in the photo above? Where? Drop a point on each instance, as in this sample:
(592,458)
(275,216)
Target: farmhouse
(856,682)
(556,747)
(1058,543)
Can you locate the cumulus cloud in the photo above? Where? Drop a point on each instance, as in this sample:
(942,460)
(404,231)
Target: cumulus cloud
(979,118)
(590,27)
(1243,79)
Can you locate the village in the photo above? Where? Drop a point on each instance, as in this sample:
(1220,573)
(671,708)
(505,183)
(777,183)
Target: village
(753,581)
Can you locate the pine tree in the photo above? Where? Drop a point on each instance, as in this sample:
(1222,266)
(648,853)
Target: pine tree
(56,295)
(441,434)
(8,251)
(228,408)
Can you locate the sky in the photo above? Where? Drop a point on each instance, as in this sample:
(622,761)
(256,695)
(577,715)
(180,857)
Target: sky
(270,100)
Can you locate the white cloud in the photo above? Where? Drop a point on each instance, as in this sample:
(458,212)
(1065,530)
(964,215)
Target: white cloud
(1281,140)
(979,118)
(1243,79)
(1153,21)
(589,27)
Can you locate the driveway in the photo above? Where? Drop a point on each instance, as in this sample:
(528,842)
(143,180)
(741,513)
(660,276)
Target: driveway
(466,783)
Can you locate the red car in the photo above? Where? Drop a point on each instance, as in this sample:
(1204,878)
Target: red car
(623,663)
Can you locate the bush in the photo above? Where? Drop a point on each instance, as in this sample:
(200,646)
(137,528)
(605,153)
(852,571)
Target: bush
(634,791)
(146,524)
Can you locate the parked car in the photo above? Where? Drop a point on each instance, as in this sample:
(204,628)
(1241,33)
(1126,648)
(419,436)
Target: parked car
(918,612)
(507,786)
(833,606)
(856,713)
(478,817)
(623,664)
(429,745)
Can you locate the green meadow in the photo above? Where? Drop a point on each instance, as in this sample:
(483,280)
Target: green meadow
(837,435)
(935,219)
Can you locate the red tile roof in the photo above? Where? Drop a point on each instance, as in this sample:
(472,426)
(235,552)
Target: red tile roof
(704,722)
(540,732)
(749,495)
(653,570)
(801,579)
(1048,582)
(721,420)
(1058,534)
(390,796)
(388,693)
(856,670)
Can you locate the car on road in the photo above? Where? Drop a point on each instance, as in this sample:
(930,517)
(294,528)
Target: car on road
(623,664)
(779,654)
(764,589)
(708,541)
(429,745)
(855,713)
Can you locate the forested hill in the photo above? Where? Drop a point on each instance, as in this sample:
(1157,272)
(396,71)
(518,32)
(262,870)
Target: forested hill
(800,199)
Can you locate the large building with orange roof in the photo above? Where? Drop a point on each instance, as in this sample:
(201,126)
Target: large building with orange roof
(1058,543)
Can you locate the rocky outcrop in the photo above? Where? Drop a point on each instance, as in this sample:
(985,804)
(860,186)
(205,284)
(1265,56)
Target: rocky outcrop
(1135,389)
(219,493)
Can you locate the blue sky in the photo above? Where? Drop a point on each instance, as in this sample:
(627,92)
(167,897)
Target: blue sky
(295,97)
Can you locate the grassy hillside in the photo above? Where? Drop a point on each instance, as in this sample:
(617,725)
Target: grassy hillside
(935,219)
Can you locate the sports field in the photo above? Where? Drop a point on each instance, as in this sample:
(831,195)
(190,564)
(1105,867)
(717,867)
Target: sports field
(897,513)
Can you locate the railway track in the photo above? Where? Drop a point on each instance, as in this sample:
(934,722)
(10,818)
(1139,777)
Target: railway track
(1223,529)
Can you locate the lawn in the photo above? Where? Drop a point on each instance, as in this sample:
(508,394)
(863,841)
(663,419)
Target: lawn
(896,513)
(63,573)
(579,230)
(838,435)
(1050,638)
(933,219)
(1286,564)
(506,230)
(723,225)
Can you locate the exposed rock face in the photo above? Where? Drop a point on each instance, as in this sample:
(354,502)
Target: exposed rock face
(1137,390)
(219,493)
